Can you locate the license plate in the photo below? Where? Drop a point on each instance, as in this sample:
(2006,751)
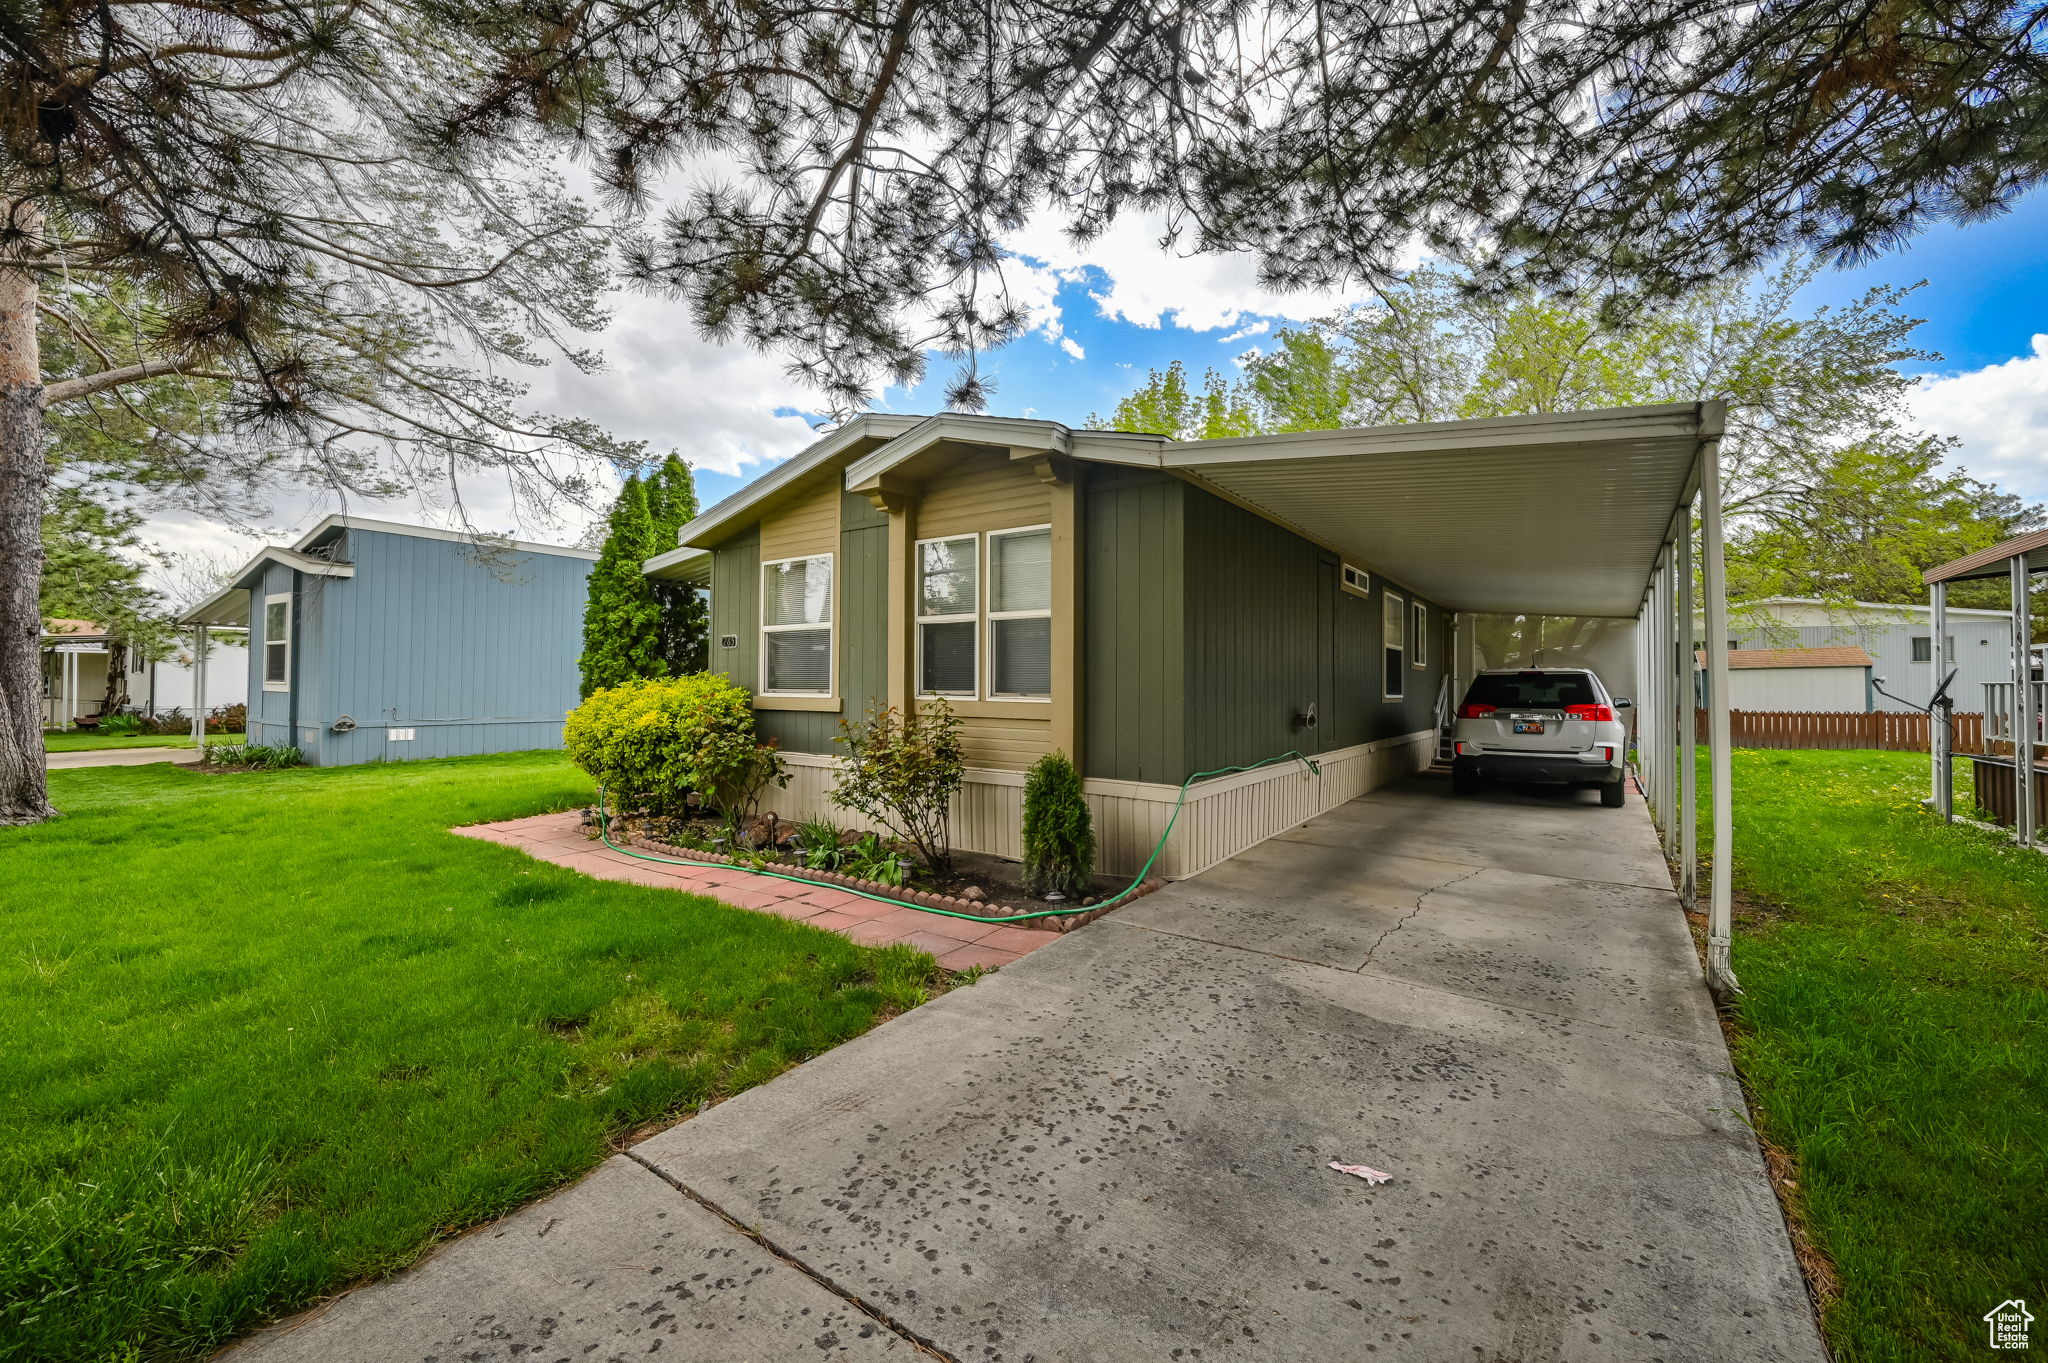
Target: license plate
(1528,726)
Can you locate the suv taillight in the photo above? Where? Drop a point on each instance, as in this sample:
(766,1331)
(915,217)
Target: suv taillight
(1476,711)
(1599,712)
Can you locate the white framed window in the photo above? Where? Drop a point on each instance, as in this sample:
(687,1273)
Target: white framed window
(948,617)
(1393,616)
(1355,580)
(796,626)
(1418,634)
(1020,613)
(277,642)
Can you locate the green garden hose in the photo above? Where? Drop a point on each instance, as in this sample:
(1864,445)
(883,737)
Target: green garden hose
(604,832)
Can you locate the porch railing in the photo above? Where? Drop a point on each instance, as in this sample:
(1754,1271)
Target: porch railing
(1998,707)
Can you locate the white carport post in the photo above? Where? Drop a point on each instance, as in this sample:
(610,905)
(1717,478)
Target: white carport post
(199,642)
(1688,724)
(1667,699)
(2024,720)
(1939,739)
(1720,772)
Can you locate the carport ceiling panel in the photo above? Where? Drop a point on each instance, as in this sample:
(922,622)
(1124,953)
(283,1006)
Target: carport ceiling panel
(1563,530)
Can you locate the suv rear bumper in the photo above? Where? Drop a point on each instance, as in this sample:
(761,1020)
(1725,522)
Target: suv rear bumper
(1543,767)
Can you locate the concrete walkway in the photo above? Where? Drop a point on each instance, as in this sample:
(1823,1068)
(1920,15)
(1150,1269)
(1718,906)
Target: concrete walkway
(119,757)
(1115,1149)
(957,943)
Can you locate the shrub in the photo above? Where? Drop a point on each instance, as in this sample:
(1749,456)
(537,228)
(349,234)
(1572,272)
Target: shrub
(651,741)
(228,719)
(124,725)
(902,771)
(263,756)
(1059,832)
(818,838)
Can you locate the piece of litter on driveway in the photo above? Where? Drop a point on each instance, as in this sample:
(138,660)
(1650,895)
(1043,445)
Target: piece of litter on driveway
(1364,1171)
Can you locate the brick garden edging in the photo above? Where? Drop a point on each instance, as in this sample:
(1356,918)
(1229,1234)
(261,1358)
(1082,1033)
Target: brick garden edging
(1062,923)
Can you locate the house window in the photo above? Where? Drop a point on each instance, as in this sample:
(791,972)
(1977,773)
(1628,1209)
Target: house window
(277,642)
(1355,580)
(1393,615)
(1418,635)
(948,585)
(796,626)
(1923,647)
(1020,613)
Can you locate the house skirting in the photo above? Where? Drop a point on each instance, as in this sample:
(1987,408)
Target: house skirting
(1222,817)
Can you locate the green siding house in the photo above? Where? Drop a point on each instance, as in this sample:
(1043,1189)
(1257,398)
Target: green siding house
(1065,591)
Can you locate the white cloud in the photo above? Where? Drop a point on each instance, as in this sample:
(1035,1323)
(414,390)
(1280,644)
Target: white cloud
(715,405)
(1073,347)
(2000,414)
(1258,328)
(1148,286)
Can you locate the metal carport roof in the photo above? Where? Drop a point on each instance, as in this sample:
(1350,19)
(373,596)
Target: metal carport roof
(1558,514)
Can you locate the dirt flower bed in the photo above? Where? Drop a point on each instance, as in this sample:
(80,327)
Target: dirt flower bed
(981,886)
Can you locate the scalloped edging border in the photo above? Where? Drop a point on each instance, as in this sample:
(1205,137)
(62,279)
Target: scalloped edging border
(915,898)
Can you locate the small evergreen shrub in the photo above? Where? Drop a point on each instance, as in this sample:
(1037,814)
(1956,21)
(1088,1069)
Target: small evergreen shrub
(651,741)
(1059,832)
(902,771)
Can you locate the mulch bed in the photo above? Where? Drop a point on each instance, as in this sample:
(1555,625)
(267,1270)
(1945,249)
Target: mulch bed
(995,878)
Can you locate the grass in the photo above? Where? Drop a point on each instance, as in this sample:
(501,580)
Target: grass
(272,1034)
(1893,1033)
(84,740)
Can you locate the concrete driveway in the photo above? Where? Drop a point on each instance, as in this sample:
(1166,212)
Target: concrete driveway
(1116,1148)
(120,757)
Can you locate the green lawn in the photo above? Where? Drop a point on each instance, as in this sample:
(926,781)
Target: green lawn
(270,1034)
(84,740)
(1893,1032)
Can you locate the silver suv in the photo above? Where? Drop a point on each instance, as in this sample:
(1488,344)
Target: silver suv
(1550,724)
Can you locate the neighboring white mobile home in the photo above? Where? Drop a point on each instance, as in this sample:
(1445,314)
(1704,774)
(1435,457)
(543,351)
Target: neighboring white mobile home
(1898,639)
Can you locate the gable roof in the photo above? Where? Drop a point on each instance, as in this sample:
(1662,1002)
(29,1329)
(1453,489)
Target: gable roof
(1743,658)
(56,627)
(230,605)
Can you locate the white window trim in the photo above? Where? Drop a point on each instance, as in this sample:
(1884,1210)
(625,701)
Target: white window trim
(830,626)
(992,616)
(1393,616)
(1418,627)
(1363,588)
(270,600)
(971,617)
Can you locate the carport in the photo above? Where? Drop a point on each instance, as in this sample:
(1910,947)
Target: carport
(1601,513)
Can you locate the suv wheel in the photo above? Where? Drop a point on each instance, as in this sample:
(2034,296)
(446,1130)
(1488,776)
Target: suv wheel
(1614,794)
(1464,781)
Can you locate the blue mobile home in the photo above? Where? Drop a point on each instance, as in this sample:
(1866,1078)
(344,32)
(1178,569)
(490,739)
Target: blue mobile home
(372,641)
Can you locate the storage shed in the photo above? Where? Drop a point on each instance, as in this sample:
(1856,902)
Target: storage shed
(374,641)
(1801,680)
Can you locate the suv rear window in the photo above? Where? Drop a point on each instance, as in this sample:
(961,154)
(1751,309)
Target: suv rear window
(1549,690)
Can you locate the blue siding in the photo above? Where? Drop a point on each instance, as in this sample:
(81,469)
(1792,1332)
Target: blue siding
(475,651)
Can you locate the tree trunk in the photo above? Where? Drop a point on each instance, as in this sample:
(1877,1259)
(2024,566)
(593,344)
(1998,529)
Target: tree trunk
(24,474)
(116,698)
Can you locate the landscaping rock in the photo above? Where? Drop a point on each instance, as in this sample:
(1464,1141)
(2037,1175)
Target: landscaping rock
(973,895)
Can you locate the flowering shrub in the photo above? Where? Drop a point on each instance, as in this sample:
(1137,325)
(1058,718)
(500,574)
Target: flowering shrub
(902,771)
(652,741)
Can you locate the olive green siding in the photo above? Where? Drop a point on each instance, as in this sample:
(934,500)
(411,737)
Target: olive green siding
(1133,622)
(862,627)
(1269,630)
(736,608)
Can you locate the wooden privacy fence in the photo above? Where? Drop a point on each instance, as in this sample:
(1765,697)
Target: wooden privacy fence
(1889,729)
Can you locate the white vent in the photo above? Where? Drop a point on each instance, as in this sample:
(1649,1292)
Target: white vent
(398,735)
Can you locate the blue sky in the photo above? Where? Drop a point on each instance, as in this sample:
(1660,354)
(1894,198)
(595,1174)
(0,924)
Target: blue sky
(1985,299)
(1105,314)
